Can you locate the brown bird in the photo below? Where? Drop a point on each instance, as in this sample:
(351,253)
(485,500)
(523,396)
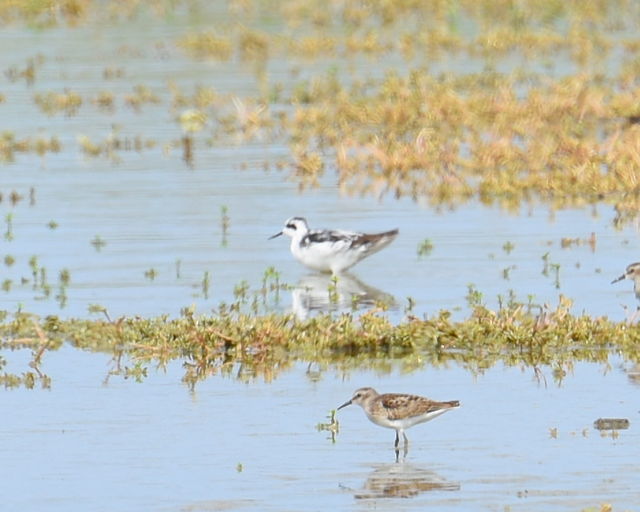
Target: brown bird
(398,411)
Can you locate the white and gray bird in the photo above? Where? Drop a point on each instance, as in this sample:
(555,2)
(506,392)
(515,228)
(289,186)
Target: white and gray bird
(332,250)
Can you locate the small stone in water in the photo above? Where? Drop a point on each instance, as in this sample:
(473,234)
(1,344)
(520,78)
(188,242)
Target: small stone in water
(611,423)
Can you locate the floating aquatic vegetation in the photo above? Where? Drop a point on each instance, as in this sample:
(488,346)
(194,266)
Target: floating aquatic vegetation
(150,274)
(28,73)
(307,168)
(110,73)
(419,136)
(206,283)
(98,243)
(313,46)
(253,45)
(506,272)
(332,426)
(191,121)
(248,344)
(68,102)
(105,100)
(142,95)
(225,222)
(249,120)
(591,241)
(42,13)
(202,98)
(112,144)
(88,147)
(508,246)
(9,146)
(567,137)
(8,234)
(207,45)
(425,247)
(474,296)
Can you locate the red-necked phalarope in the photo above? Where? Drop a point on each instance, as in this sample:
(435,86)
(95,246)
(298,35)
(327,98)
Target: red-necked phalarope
(398,411)
(632,273)
(332,250)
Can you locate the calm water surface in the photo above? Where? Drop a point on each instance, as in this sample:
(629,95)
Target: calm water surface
(153,212)
(121,445)
(170,221)
(87,445)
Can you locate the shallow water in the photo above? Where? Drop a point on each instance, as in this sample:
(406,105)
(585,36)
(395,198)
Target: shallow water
(169,221)
(153,211)
(86,445)
(122,445)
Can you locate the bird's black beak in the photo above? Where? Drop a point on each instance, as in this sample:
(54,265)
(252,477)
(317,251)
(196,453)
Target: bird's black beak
(619,278)
(344,405)
(274,236)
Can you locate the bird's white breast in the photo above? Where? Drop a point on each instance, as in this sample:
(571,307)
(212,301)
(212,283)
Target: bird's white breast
(326,255)
(406,422)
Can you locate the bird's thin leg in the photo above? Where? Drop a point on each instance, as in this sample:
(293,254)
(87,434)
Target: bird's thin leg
(397,440)
(406,444)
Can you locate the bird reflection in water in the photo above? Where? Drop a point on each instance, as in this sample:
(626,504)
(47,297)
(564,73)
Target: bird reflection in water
(402,480)
(325,293)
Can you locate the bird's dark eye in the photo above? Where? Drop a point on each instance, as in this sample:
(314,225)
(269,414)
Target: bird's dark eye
(291,226)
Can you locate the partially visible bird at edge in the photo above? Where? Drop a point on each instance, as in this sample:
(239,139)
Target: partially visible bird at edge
(632,272)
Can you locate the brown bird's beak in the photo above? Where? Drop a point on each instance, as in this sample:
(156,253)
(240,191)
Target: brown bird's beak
(274,236)
(619,278)
(344,405)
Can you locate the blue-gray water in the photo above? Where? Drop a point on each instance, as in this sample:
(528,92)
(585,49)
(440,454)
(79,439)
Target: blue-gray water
(153,211)
(126,446)
(122,445)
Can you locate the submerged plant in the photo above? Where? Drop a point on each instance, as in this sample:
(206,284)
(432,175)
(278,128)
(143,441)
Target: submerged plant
(332,290)
(98,243)
(425,247)
(50,103)
(332,426)
(206,283)
(150,274)
(8,234)
(247,346)
(474,296)
(225,222)
(506,272)
(206,45)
